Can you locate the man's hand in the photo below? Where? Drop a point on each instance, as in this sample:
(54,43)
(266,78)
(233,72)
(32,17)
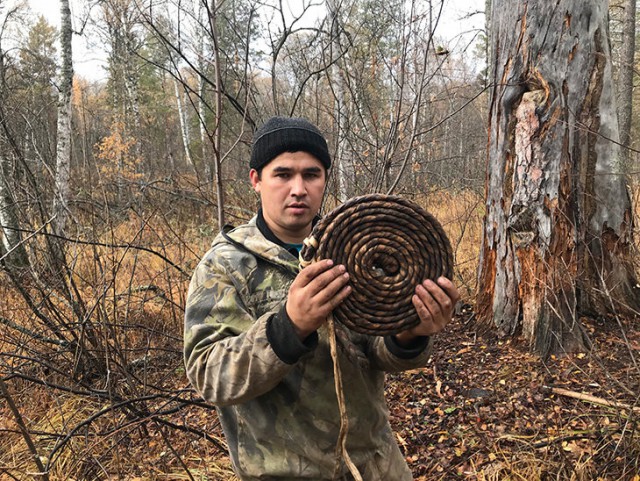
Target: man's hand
(434,303)
(316,291)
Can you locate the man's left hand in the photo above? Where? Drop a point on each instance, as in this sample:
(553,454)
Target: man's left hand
(434,303)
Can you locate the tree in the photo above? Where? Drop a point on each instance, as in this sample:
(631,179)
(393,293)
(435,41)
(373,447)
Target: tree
(343,163)
(123,38)
(35,93)
(208,39)
(625,82)
(558,225)
(63,150)
(38,56)
(12,250)
(218,95)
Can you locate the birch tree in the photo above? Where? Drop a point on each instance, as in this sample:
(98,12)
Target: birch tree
(123,37)
(63,148)
(178,83)
(184,122)
(558,225)
(12,251)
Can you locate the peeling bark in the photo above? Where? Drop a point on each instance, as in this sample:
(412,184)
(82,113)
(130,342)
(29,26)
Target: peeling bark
(557,232)
(626,77)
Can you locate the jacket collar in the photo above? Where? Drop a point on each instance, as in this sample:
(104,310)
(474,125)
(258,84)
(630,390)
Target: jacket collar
(257,238)
(261,223)
(248,237)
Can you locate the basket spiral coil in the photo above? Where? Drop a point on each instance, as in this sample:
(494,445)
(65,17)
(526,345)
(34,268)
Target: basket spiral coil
(388,245)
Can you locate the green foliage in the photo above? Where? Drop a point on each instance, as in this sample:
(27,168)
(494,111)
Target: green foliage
(37,57)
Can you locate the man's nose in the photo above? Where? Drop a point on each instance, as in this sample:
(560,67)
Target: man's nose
(298,186)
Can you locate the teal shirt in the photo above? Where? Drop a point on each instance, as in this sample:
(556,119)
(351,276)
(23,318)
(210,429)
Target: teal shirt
(297,247)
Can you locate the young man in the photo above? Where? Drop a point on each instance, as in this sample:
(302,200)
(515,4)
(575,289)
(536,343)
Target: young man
(254,342)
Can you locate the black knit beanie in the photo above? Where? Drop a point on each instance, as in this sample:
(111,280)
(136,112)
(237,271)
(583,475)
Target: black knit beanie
(287,134)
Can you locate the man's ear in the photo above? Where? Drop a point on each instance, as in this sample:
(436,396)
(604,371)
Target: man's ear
(255,179)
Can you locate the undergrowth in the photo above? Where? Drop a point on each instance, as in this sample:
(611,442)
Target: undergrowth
(94,366)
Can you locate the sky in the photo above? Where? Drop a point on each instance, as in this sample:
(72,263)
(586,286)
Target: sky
(87,60)
(456,27)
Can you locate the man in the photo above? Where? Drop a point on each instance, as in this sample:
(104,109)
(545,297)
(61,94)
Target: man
(254,342)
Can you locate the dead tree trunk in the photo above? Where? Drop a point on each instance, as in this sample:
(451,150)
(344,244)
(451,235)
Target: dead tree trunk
(625,83)
(557,231)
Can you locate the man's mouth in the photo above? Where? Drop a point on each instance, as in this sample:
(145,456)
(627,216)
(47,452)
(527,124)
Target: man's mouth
(298,208)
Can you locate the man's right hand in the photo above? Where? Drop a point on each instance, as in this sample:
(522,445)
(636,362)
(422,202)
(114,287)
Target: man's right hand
(316,291)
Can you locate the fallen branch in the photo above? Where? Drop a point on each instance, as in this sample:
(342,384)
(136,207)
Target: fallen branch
(34,335)
(592,399)
(548,441)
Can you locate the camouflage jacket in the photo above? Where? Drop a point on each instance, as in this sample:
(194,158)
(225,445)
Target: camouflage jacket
(274,394)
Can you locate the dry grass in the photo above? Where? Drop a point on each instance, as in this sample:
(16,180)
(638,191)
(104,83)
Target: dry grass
(460,214)
(134,302)
(135,299)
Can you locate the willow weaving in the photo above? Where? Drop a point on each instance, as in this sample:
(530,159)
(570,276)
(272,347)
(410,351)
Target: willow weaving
(388,245)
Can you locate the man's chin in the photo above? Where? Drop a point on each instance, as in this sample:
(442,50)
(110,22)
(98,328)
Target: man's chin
(299,222)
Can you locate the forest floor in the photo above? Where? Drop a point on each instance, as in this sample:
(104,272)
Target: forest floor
(484,408)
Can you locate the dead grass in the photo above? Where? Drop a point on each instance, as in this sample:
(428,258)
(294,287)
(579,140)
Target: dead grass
(460,214)
(134,304)
(112,447)
(135,299)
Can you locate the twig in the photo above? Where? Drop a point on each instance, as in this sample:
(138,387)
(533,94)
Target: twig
(167,441)
(104,244)
(23,428)
(24,241)
(543,443)
(592,399)
(7,471)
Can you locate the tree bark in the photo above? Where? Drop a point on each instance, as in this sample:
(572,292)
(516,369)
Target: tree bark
(558,224)
(12,251)
(626,77)
(184,126)
(63,148)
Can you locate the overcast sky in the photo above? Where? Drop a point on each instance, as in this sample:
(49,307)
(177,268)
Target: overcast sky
(88,60)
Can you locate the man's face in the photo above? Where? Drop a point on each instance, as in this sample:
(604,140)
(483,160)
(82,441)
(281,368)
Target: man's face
(291,188)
